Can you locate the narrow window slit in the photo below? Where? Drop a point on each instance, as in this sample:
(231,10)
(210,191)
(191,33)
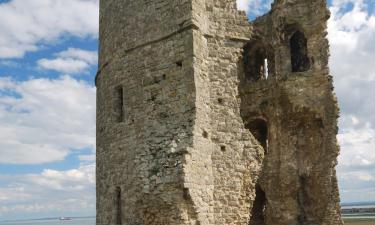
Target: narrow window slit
(266,68)
(258,61)
(119,104)
(118,206)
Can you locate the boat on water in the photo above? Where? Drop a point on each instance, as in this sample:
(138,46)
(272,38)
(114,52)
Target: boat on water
(65,218)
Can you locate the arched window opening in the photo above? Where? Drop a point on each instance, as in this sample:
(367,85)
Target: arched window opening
(118,206)
(258,212)
(259,129)
(298,51)
(258,61)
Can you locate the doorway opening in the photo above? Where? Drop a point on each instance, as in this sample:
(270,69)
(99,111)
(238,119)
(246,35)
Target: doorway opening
(259,129)
(258,212)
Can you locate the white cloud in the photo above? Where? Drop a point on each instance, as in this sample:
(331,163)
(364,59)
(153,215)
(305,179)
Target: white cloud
(10,193)
(51,191)
(70,180)
(42,120)
(243,5)
(357,148)
(352,34)
(26,24)
(91,57)
(254,7)
(63,65)
(364,176)
(70,61)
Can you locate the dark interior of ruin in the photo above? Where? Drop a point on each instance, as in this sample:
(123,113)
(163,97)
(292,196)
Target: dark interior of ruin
(298,52)
(258,127)
(258,212)
(259,63)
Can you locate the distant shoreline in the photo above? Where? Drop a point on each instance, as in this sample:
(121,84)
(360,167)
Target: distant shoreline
(47,218)
(352,213)
(355,204)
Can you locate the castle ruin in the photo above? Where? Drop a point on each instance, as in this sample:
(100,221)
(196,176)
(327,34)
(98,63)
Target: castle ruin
(205,118)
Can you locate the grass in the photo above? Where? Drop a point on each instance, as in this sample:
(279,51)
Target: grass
(358,221)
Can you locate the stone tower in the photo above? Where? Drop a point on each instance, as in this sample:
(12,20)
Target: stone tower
(204,118)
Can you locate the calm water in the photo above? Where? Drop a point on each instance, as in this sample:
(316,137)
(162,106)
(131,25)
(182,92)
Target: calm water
(359,216)
(89,221)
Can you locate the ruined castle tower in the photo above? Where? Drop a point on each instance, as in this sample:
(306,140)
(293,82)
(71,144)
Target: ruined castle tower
(204,118)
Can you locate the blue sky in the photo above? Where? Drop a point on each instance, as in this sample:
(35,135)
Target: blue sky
(48,60)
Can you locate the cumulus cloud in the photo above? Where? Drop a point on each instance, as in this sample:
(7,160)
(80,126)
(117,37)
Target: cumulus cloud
(351,34)
(42,120)
(357,148)
(70,61)
(254,8)
(70,180)
(90,57)
(8,194)
(27,24)
(50,192)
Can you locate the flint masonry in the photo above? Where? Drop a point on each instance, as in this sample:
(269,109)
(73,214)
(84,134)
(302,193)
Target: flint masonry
(205,118)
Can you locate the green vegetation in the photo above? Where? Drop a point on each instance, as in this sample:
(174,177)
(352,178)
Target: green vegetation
(359,221)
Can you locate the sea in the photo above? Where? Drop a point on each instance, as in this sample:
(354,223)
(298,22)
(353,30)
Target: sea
(360,211)
(73,221)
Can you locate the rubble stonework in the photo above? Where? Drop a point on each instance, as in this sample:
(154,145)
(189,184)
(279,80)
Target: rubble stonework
(206,118)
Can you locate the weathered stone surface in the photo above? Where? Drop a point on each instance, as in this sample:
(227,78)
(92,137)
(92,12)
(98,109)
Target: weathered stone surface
(193,127)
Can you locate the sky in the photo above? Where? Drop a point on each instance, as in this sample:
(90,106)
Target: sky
(48,60)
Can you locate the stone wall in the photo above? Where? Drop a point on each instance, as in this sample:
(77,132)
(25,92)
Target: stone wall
(297,104)
(234,156)
(146,61)
(185,115)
